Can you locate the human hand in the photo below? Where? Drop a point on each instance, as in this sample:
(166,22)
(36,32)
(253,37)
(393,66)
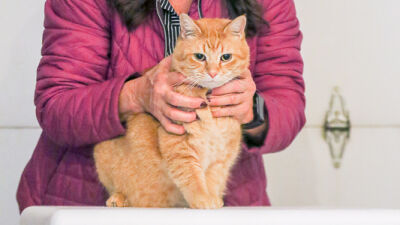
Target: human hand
(154,93)
(234,98)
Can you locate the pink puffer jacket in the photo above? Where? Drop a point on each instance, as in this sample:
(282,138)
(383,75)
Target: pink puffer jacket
(88,54)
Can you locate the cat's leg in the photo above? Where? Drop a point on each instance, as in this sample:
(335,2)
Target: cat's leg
(185,170)
(106,161)
(216,177)
(217,173)
(117,200)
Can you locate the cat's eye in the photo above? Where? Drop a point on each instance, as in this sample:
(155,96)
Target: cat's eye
(226,57)
(200,56)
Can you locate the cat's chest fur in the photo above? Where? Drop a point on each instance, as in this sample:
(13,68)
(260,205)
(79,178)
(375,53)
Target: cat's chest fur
(216,137)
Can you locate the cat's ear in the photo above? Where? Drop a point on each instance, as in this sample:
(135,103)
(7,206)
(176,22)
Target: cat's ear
(189,28)
(236,27)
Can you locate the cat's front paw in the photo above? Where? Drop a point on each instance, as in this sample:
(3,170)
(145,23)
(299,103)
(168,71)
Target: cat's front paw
(117,200)
(207,203)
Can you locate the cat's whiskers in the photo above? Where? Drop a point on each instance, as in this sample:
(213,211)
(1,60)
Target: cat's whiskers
(190,85)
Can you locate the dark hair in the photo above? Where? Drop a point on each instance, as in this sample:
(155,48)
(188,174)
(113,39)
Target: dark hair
(134,12)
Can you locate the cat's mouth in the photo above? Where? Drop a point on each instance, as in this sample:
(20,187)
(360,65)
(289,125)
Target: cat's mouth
(211,84)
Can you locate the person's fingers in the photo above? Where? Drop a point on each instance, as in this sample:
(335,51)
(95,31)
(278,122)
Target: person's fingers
(171,127)
(246,74)
(165,64)
(243,83)
(172,78)
(175,79)
(175,114)
(180,100)
(248,117)
(228,99)
(234,110)
(234,86)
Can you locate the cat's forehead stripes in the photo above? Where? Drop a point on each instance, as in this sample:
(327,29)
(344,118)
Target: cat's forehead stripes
(212,24)
(212,45)
(212,32)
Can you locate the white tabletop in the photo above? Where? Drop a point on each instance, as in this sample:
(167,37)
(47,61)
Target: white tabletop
(44,215)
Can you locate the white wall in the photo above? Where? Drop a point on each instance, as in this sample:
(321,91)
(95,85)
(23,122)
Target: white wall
(20,42)
(350,43)
(353,44)
(21,25)
(303,175)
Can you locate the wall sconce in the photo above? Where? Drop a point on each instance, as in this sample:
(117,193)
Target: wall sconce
(336,130)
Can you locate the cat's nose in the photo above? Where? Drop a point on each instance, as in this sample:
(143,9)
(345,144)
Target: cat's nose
(212,73)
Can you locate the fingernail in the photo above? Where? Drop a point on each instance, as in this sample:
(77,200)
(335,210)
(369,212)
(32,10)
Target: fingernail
(203,105)
(209,91)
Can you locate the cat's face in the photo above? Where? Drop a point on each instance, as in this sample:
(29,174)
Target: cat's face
(211,52)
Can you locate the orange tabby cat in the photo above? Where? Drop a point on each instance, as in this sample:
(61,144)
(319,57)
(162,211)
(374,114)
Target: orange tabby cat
(149,167)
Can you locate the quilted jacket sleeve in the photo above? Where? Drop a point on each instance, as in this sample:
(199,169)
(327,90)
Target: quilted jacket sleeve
(75,104)
(278,75)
